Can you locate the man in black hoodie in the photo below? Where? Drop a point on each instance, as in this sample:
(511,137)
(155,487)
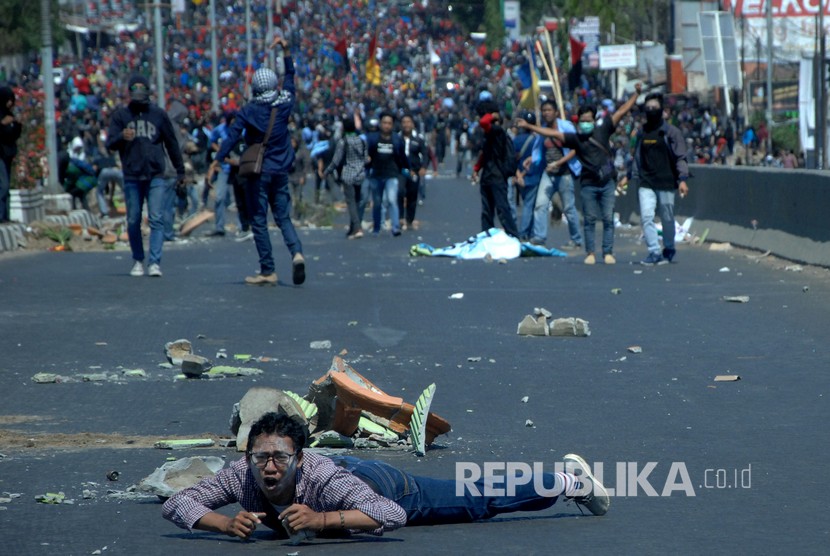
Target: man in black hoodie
(141,132)
(10,130)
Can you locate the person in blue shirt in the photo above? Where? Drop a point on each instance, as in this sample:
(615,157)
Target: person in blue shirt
(530,160)
(270,188)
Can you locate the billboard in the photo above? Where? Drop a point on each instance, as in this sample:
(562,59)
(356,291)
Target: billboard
(793,26)
(587,30)
(616,56)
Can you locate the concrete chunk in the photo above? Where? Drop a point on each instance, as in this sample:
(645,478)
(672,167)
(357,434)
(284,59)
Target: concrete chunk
(570,326)
(174,476)
(531,326)
(177,349)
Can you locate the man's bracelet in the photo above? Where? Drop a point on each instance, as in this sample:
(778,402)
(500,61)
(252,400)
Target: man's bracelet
(324,521)
(342,520)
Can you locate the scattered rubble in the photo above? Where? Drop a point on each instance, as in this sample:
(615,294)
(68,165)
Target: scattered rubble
(184,444)
(537,325)
(174,476)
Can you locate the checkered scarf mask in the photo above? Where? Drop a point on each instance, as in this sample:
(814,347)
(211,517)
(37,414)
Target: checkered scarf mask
(264,86)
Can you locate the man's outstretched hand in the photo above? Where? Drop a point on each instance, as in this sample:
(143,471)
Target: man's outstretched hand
(243,524)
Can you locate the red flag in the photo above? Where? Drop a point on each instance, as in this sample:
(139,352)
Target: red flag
(341,49)
(577,48)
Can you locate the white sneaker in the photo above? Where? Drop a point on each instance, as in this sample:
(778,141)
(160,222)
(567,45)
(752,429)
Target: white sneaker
(154,270)
(592,494)
(138,269)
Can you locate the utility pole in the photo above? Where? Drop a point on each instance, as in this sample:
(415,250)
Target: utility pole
(49,93)
(269,35)
(214,61)
(769,77)
(821,121)
(159,50)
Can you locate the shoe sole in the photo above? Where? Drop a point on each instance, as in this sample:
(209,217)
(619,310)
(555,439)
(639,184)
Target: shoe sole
(261,283)
(298,273)
(598,490)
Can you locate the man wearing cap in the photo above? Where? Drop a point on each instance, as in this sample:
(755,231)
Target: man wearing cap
(270,188)
(141,132)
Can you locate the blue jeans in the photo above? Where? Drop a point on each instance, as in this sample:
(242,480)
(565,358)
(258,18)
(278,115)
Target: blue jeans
(428,501)
(649,198)
(271,190)
(222,192)
(106,177)
(598,203)
(549,185)
(154,192)
(528,213)
(385,192)
(170,209)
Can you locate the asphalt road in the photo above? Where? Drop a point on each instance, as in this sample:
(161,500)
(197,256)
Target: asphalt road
(394,316)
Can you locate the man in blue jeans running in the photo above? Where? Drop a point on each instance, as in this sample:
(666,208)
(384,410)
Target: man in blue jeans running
(301,494)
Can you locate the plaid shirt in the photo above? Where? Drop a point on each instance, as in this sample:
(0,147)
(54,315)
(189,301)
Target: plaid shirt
(353,149)
(321,485)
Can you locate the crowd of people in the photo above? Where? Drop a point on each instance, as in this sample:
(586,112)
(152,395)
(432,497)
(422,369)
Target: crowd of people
(426,108)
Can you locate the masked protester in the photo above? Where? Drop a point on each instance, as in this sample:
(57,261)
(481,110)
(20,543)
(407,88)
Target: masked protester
(660,169)
(10,130)
(143,136)
(598,178)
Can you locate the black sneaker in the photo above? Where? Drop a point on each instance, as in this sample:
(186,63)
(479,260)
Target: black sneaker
(592,494)
(668,254)
(652,259)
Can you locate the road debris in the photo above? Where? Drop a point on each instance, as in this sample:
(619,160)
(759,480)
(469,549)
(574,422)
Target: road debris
(525,399)
(457,296)
(529,423)
(616,291)
(194,366)
(736,298)
(720,246)
(727,378)
(724,269)
(176,350)
(184,444)
(418,423)
(320,344)
(47,378)
(635,349)
(53,498)
(113,475)
(174,476)
(794,268)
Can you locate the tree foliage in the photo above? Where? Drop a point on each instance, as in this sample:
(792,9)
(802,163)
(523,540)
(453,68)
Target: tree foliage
(20,26)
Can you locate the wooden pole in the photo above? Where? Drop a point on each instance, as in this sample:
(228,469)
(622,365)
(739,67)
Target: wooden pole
(557,89)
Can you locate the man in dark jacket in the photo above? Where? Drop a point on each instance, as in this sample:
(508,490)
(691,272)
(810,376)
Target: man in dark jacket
(387,161)
(10,130)
(415,147)
(270,188)
(142,132)
(496,164)
(659,170)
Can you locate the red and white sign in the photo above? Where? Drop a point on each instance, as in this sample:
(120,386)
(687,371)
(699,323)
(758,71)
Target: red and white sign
(616,56)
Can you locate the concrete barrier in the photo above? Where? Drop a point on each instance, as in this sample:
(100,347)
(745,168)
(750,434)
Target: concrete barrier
(783,211)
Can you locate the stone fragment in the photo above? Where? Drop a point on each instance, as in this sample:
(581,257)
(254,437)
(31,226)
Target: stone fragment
(457,296)
(93,377)
(794,268)
(616,291)
(177,349)
(194,366)
(134,373)
(473,359)
(525,399)
(183,444)
(227,443)
(570,326)
(720,247)
(541,311)
(529,423)
(254,404)
(51,498)
(224,370)
(109,239)
(174,476)
(531,326)
(635,349)
(736,298)
(724,269)
(320,344)
(46,378)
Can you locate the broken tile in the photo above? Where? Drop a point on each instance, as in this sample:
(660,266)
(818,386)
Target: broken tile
(224,370)
(727,378)
(418,424)
(541,311)
(46,378)
(635,349)
(332,439)
(134,373)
